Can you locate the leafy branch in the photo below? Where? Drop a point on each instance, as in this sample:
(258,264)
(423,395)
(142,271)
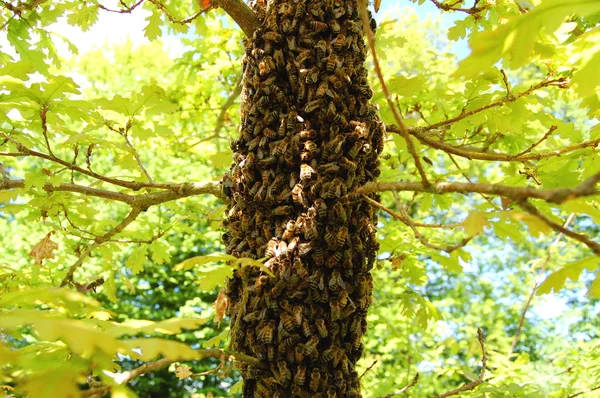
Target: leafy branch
(405,219)
(476,9)
(583,238)
(126,377)
(472,385)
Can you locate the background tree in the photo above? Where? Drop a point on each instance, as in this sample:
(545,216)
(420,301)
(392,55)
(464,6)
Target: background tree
(496,128)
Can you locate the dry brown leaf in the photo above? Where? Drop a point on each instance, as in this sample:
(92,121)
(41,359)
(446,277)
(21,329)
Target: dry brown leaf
(377,5)
(220,305)
(183,372)
(43,249)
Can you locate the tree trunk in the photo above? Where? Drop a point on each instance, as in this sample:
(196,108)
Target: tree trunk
(309,137)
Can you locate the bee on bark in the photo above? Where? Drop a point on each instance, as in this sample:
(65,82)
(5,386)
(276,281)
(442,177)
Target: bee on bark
(300,376)
(266,66)
(315,379)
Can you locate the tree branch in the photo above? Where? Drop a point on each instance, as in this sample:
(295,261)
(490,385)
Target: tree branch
(171,191)
(583,238)
(241,14)
(470,386)
(557,195)
(126,377)
(403,129)
(450,7)
(405,219)
(403,389)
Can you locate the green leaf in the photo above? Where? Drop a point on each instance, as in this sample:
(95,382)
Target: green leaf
(215,277)
(153,347)
(516,39)
(137,259)
(217,340)
(557,279)
(152,30)
(475,223)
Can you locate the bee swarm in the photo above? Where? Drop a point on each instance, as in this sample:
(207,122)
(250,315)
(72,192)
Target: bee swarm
(309,137)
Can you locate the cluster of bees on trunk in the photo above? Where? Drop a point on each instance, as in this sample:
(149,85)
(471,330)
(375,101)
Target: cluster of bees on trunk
(309,138)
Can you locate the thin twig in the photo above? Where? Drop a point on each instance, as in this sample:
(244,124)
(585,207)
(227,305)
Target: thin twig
(470,386)
(584,392)
(583,238)
(174,192)
(404,218)
(559,82)
(550,131)
(367,369)
(98,241)
(534,289)
(403,389)
(126,377)
(482,154)
(403,129)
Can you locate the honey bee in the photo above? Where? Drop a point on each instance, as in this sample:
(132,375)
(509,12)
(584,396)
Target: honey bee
(299,353)
(284,372)
(327,355)
(291,43)
(300,376)
(313,105)
(282,210)
(287,321)
(334,258)
(330,236)
(319,256)
(336,282)
(278,289)
(317,26)
(315,378)
(306,330)
(321,48)
(306,172)
(321,328)
(332,62)
(311,345)
(272,36)
(305,248)
(265,334)
(342,234)
(331,392)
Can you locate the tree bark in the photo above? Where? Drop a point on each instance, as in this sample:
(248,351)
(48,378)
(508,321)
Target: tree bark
(309,138)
